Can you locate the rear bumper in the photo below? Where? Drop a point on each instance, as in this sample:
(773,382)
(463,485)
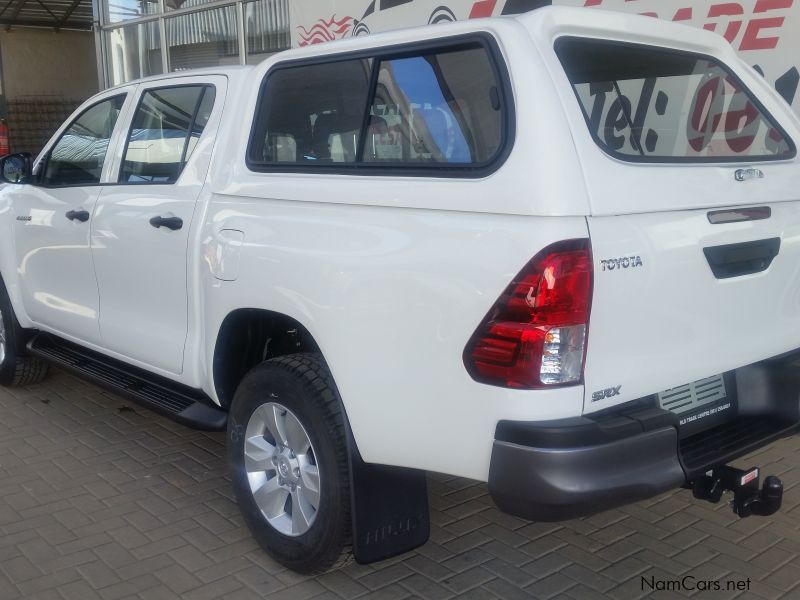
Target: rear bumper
(556,470)
(557,483)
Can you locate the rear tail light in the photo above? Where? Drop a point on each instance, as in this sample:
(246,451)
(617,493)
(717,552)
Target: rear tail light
(535,334)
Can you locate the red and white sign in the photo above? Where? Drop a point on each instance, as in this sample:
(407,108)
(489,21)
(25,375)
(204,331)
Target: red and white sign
(765,32)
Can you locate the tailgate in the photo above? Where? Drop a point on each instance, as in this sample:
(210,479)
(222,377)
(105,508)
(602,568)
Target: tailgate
(690,163)
(678,299)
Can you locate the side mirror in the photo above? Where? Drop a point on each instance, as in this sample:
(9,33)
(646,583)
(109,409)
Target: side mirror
(15,168)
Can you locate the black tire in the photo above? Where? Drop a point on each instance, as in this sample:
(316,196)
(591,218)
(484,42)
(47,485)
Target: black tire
(303,384)
(15,370)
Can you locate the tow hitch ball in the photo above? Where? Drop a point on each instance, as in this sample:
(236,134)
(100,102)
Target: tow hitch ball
(748,499)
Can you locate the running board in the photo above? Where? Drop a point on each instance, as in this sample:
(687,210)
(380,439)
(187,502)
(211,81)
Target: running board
(180,403)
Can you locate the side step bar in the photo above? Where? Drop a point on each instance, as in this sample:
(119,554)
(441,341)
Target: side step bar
(180,403)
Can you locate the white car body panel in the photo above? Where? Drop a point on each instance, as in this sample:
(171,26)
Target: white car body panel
(57,284)
(54,261)
(141,270)
(391,322)
(670,321)
(391,275)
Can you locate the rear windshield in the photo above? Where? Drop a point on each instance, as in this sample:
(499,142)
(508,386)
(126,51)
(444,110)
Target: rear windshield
(650,104)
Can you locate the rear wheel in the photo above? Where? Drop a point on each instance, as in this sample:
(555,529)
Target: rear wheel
(287,452)
(15,370)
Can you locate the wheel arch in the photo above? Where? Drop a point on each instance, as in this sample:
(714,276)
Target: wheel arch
(22,336)
(390,512)
(248,337)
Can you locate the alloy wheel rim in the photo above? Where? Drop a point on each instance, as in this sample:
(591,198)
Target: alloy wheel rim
(282,469)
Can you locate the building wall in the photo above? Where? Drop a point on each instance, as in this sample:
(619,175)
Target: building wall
(197,37)
(766,33)
(45,76)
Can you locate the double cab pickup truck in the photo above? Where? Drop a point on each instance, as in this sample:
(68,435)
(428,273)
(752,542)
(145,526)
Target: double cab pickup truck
(557,252)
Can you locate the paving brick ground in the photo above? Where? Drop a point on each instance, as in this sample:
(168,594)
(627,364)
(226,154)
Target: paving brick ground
(102,499)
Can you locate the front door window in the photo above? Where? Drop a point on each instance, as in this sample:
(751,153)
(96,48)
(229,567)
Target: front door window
(77,157)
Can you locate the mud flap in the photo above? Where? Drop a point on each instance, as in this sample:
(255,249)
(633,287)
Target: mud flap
(389,508)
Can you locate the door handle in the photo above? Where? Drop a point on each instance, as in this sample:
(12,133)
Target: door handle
(746,258)
(78,215)
(173,223)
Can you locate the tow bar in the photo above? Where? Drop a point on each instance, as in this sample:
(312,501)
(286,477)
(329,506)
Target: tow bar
(748,499)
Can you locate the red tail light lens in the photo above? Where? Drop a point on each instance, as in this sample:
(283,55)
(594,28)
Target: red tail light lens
(535,334)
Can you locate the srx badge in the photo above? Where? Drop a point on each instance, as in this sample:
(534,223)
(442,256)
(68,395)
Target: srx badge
(606,393)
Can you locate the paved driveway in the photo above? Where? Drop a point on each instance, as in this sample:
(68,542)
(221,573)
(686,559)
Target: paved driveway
(102,499)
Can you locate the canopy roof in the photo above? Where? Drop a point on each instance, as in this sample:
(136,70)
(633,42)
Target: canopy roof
(55,14)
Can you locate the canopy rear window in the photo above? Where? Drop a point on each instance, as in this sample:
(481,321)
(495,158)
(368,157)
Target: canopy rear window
(650,104)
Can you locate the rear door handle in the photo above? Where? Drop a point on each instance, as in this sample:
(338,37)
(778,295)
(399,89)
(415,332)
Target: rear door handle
(173,223)
(78,215)
(745,258)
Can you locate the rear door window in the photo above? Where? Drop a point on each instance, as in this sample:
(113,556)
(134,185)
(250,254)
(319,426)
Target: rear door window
(648,104)
(165,130)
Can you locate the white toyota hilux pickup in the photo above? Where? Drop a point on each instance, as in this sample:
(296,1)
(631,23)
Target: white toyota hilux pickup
(558,252)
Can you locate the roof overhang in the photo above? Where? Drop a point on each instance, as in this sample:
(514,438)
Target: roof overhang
(51,14)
